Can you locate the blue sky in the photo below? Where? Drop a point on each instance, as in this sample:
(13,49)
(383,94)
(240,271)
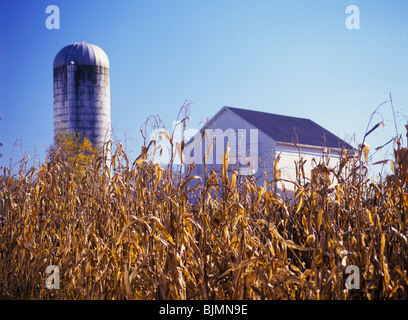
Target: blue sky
(291,57)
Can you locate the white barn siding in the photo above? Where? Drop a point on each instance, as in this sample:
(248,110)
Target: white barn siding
(231,124)
(227,121)
(312,155)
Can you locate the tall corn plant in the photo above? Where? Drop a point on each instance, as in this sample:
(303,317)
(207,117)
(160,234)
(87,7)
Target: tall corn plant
(130,232)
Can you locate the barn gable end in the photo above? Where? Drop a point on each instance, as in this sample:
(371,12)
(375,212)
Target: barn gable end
(266,136)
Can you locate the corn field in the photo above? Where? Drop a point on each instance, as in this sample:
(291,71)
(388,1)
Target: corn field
(132,232)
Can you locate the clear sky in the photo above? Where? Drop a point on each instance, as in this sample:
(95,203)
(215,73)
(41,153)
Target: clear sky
(291,57)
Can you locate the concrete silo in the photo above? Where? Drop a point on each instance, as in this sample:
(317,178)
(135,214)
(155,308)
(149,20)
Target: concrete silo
(82,92)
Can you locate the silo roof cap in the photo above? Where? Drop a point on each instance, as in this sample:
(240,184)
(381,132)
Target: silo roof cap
(81,53)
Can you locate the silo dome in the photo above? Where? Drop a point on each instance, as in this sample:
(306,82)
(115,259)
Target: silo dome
(81,53)
(82,92)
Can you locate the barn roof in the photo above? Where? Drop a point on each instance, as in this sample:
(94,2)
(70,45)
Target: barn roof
(290,129)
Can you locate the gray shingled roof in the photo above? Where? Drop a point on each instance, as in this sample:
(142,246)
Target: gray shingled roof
(291,129)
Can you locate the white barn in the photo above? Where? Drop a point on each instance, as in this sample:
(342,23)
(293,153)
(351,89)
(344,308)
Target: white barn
(256,138)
